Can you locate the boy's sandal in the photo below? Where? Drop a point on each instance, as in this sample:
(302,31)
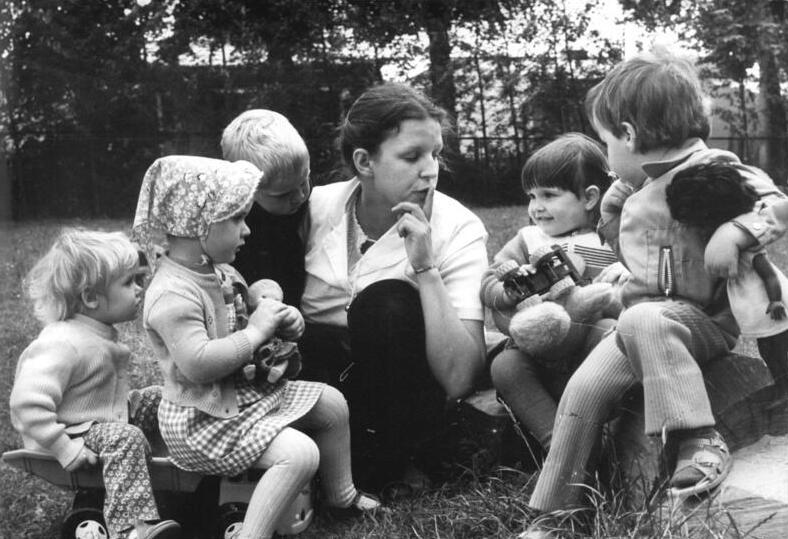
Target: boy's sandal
(702,464)
(356,507)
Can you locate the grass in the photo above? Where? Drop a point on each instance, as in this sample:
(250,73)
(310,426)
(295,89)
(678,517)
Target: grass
(473,506)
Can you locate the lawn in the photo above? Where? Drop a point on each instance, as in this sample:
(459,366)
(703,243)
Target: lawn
(471,507)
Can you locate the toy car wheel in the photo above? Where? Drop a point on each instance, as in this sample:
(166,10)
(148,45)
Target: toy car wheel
(84,523)
(231,517)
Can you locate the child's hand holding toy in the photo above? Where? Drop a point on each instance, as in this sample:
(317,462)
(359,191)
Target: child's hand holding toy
(554,314)
(276,359)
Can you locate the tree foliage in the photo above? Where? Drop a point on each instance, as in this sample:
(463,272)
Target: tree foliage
(734,36)
(273,30)
(382,22)
(97,90)
(75,71)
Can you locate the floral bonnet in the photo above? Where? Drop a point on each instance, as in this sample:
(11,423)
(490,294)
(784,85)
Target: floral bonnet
(182,195)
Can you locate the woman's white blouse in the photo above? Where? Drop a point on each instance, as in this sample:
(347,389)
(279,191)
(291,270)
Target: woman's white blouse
(459,246)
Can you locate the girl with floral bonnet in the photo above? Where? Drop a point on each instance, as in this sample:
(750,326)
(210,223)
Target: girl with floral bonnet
(214,419)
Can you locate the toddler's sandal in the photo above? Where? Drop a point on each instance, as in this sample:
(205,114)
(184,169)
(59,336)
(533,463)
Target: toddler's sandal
(362,504)
(702,464)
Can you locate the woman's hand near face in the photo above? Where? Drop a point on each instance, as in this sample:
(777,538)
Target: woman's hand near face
(414,228)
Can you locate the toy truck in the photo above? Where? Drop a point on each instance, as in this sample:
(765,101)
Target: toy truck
(216,505)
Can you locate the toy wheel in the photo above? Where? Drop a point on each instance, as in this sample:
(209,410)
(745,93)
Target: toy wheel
(84,523)
(231,517)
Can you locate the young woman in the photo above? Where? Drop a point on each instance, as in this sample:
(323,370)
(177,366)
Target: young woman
(393,269)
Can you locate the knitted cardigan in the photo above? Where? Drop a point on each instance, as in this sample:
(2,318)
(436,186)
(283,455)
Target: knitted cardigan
(73,375)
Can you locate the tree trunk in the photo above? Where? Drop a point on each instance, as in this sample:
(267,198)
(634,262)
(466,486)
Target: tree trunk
(6,209)
(771,113)
(441,65)
(482,108)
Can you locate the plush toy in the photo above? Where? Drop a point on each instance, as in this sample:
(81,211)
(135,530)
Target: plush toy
(554,313)
(276,359)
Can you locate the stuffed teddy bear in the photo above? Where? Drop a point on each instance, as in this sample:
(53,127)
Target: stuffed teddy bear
(554,313)
(276,359)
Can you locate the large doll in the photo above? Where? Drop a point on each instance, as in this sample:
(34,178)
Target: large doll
(708,195)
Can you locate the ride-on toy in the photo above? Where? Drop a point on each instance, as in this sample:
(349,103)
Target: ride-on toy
(213,506)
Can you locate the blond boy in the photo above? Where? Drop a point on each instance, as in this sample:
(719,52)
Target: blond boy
(279,218)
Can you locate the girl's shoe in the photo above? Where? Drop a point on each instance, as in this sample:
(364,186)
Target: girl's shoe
(164,529)
(701,465)
(362,504)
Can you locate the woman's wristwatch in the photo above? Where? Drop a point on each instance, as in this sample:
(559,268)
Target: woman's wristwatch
(416,271)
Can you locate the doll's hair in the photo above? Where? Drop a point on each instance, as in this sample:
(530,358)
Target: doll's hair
(659,94)
(78,261)
(378,113)
(709,194)
(267,140)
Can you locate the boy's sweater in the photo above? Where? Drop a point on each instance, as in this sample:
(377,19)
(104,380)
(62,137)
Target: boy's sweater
(275,250)
(666,258)
(71,376)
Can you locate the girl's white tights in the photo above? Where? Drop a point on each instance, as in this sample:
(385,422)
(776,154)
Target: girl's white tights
(292,459)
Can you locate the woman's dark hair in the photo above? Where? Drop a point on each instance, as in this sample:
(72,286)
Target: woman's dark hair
(709,194)
(378,113)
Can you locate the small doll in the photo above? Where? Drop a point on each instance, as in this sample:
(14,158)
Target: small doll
(708,195)
(277,358)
